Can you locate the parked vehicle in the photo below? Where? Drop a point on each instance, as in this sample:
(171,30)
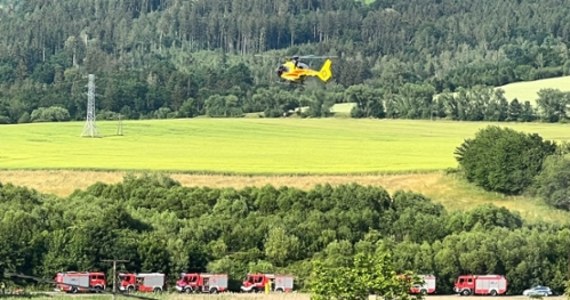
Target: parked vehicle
(257,282)
(538,290)
(74,282)
(481,285)
(202,283)
(428,286)
(143,282)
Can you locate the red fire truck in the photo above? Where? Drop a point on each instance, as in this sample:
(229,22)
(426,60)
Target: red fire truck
(202,283)
(481,285)
(142,282)
(256,283)
(73,282)
(428,286)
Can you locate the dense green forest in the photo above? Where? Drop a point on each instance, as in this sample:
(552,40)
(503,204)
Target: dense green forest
(158,225)
(182,58)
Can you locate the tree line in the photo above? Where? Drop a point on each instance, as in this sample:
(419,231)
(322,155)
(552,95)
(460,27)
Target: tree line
(141,100)
(411,101)
(161,226)
(153,56)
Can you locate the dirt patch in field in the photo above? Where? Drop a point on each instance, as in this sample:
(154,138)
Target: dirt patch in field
(63,183)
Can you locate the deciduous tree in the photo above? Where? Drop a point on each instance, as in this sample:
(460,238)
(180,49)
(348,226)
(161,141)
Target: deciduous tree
(502,159)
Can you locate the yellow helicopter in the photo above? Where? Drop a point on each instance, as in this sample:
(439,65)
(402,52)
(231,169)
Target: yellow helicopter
(294,71)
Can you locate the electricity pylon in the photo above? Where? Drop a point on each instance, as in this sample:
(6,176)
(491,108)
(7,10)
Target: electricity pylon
(90,129)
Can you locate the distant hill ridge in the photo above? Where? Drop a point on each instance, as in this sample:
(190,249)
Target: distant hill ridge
(158,54)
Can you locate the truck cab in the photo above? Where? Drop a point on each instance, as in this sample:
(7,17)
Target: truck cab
(188,282)
(254,283)
(128,282)
(257,283)
(427,285)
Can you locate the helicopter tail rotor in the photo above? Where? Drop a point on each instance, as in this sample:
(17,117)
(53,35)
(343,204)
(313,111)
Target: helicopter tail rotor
(325,73)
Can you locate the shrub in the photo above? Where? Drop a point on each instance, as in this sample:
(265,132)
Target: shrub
(553,183)
(24,118)
(502,159)
(50,114)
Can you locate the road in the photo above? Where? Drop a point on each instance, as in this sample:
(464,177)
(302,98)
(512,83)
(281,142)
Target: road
(242,296)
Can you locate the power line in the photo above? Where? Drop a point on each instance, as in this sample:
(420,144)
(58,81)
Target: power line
(114,261)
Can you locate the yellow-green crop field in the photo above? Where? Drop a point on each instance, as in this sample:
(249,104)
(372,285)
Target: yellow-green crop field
(248,146)
(527,90)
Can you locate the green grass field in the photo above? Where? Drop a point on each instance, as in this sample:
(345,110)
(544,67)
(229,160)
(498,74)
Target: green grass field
(342,109)
(248,146)
(528,90)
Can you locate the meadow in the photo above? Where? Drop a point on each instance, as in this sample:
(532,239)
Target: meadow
(248,146)
(342,110)
(527,90)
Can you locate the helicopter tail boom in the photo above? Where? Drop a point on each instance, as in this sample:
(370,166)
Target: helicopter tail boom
(325,73)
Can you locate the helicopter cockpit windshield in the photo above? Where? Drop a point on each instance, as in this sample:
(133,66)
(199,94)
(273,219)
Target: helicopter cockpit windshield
(282,69)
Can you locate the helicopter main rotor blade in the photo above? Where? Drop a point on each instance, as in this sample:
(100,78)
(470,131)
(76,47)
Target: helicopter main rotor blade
(42,280)
(310,56)
(267,55)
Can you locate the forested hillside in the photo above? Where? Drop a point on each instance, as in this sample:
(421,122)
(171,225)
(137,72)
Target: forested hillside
(160,226)
(161,58)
